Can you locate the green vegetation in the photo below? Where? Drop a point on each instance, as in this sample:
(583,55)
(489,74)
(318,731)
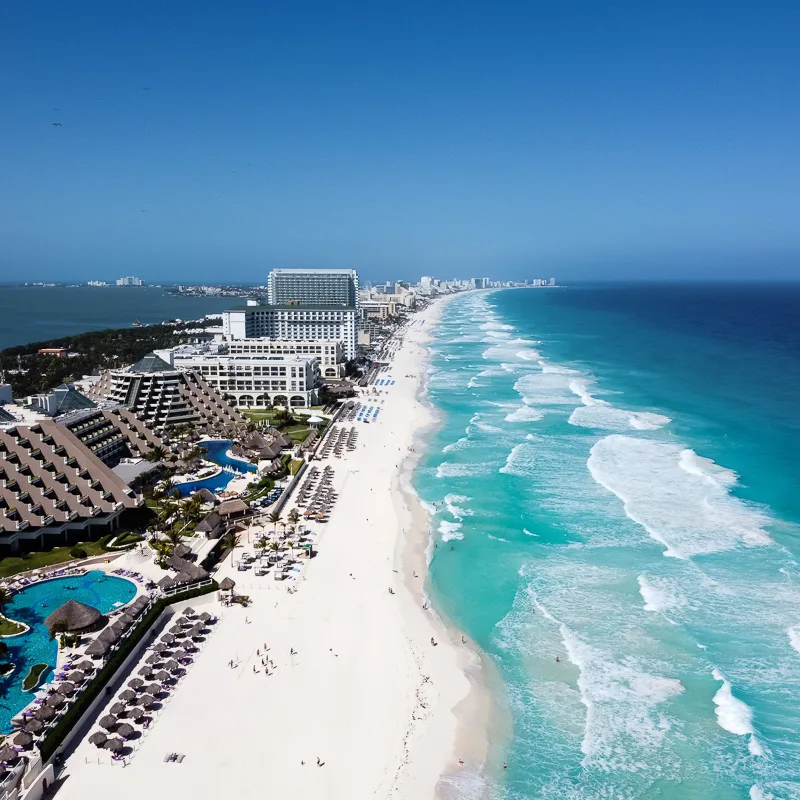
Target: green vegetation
(293,426)
(56,736)
(77,552)
(92,352)
(34,676)
(9,627)
(126,540)
(12,565)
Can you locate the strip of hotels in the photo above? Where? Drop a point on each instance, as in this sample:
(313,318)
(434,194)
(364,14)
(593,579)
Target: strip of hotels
(326,674)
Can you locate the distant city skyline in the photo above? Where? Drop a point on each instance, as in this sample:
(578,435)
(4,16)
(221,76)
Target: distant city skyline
(206,143)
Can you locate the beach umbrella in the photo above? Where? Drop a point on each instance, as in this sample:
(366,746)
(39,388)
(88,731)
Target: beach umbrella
(179,654)
(205,616)
(44,713)
(136,713)
(118,709)
(98,739)
(154,659)
(67,689)
(145,672)
(136,684)
(128,696)
(76,676)
(34,726)
(168,638)
(189,612)
(56,700)
(172,666)
(153,688)
(8,755)
(23,739)
(175,630)
(145,700)
(162,676)
(114,745)
(125,730)
(108,722)
(98,648)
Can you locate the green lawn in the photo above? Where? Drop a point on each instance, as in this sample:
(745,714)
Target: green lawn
(9,628)
(34,676)
(11,565)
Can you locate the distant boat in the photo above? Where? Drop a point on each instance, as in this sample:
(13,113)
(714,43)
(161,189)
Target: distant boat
(137,324)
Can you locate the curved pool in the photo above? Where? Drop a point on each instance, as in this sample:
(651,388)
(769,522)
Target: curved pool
(217,451)
(32,606)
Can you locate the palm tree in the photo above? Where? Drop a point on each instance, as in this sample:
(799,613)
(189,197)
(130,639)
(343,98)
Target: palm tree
(294,515)
(157,453)
(174,537)
(60,626)
(273,547)
(231,540)
(274,517)
(4,598)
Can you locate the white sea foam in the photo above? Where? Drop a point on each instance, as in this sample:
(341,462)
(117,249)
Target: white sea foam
(496,538)
(496,326)
(620,699)
(687,513)
(794,637)
(457,511)
(450,530)
(525,414)
(528,533)
(545,389)
(734,715)
(461,444)
(448,469)
(521,460)
(658,594)
(757,793)
(596,413)
(706,468)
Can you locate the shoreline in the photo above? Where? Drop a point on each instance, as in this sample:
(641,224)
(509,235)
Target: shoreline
(358,702)
(471,713)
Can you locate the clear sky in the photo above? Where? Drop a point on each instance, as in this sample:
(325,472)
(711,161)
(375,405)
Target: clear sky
(213,141)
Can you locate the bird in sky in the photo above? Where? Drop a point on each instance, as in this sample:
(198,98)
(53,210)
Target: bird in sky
(56,124)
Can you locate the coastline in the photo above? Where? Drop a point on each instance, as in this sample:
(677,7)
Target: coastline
(356,682)
(454,743)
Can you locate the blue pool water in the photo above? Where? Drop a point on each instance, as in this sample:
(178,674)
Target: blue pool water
(615,470)
(217,451)
(32,606)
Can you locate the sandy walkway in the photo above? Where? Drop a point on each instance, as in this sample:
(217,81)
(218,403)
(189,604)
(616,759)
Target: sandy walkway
(366,693)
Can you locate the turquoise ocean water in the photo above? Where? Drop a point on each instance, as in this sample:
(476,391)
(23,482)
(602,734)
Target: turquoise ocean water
(615,470)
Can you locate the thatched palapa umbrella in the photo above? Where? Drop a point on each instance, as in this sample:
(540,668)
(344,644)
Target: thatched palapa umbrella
(108,722)
(98,648)
(76,676)
(128,696)
(114,745)
(73,617)
(162,676)
(172,666)
(125,730)
(179,654)
(168,638)
(8,755)
(145,672)
(35,726)
(145,700)
(67,689)
(85,667)
(56,700)
(108,636)
(136,712)
(44,713)
(136,684)
(98,739)
(189,612)
(154,689)
(205,616)
(118,709)
(23,739)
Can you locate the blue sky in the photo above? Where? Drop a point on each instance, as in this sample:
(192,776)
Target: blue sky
(214,141)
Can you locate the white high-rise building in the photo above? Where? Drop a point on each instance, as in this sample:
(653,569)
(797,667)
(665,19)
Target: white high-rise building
(313,287)
(130,281)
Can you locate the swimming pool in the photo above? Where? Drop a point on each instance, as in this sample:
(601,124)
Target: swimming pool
(32,606)
(217,451)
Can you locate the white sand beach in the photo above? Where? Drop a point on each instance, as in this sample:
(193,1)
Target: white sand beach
(366,692)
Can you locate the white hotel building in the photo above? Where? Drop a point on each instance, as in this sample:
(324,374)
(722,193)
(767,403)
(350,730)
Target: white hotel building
(297,323)
(249,379)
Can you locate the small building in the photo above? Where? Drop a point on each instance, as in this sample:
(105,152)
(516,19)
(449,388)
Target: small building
(74,617)
(212,526)
(58,352)
(231,509)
